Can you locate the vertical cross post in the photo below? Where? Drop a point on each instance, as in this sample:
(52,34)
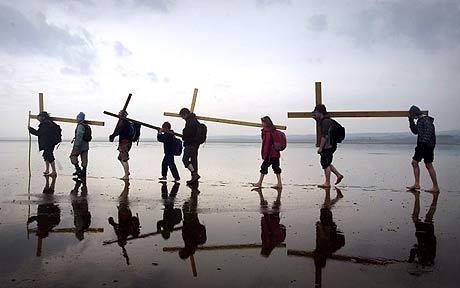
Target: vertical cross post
(319,100)
(40,103)
(192,107)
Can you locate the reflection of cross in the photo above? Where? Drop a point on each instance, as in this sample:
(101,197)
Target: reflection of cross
(62,119)
(219,120)
(346,114)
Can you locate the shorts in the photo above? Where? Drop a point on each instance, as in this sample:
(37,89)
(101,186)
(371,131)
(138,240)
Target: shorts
(48,154)
(425,152)
(326,157)
(274,162)
(123,149)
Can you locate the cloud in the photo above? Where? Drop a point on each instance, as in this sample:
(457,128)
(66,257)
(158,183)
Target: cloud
(263,3)
(159,5)
(25,37)
(121,50)
(152,76)
(317,23)
(430,25)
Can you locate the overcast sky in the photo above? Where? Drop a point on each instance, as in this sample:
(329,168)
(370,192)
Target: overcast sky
(248,58)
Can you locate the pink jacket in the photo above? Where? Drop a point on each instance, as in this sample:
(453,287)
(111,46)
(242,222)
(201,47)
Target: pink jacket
(268,152)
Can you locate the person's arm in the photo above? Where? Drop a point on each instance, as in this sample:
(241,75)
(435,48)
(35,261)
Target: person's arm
(413,126)
(33,131)
(325,127)
(321,144)
(161,137)
(79,136)
(117,131)
(189,131)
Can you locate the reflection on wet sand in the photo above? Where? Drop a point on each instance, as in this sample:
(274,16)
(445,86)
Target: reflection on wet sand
(171,216)
(81,214)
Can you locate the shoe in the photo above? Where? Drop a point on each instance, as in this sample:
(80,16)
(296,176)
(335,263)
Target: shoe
(194,179)
(162,179)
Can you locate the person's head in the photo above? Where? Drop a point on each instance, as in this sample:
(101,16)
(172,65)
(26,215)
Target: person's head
(81,116)
(123,113)
(415,112)
(184,113)
(267,122)
(319,112)
(42,116)
(166,126)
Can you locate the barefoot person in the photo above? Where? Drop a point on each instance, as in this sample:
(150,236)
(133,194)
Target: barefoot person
(270,156)
(49,135)
(191,144)
(426,142)
(81,147)
(166,136)
(327,146)
(124,133)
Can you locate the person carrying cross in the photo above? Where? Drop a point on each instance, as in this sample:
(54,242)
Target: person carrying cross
(81,147)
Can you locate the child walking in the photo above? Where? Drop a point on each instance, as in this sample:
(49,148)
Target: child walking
(166,136)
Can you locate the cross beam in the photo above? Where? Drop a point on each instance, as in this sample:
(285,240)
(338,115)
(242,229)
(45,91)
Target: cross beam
(62,119)
(219,120)
(347,114)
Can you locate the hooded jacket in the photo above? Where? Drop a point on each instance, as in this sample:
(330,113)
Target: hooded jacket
(190,130)
(268,151)
(424,129)
(46,134)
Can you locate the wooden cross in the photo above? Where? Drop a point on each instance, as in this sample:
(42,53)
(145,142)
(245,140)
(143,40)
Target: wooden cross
(346,114)
(219,120)
(61,119)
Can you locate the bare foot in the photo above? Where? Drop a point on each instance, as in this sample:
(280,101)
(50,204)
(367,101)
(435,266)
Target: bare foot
(339,179)
(433,190)
(277,186)
(53,174)
(46,173)
(324,186)
(162,179)
(257,189)
(413,187)
(258,185)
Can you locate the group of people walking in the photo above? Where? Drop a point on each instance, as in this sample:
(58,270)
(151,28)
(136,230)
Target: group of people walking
(194,134)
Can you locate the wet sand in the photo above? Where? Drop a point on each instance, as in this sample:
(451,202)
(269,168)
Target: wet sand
(243,238)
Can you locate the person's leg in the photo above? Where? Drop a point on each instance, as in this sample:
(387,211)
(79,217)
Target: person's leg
(277,170)
(194,164)
(74,161)
(125,165)
(263,172)
(124,157)
(52,163)
(337,173)
(173,168)
(84,164)
(164,168)
(416,169)
(46,156)
(326,160)
(432,172)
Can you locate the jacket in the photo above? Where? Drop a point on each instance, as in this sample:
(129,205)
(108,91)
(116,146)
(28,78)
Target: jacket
(190,130)
(424,129)
(123,131)
(79,143)
(169,145)
(46,134)
(268,151)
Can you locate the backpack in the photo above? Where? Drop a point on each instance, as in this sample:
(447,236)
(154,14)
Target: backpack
(134,131)
(201,133)
(337,132)
(57,133)
(177,147)
(279,140)
(87,136)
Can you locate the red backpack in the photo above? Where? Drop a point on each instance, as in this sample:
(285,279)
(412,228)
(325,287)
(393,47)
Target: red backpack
(279,140)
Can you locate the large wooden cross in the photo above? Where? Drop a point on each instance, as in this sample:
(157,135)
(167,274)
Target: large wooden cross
(61,119)
(346,114)
(219,120)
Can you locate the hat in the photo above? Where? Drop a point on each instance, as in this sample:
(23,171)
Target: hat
(414,111)
(81,116)
(320,108)
(123,113)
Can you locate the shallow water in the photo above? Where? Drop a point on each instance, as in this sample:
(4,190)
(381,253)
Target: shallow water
(229,223)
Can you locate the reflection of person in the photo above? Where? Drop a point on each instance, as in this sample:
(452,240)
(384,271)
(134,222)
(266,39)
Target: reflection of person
(327,146)
(49,135)
(273,233)
(166,136)
(81,214)
(191,143)
(171,216)
(124,133)
(81,147)
(425,249)
(127,223)
(328,238)
(270,156)
(193,232)
(426,142)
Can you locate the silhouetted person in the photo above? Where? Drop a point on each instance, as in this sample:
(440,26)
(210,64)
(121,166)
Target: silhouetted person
(170,142)
(193,232)
(81,214)
(125,131)
(327,146)
(81,147)
(171,216)
(49,135)
(426,142)
(328,238)
(127,223)
(272,232)
(424,252)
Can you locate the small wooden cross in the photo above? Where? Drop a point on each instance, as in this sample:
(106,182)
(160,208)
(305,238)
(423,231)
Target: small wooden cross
(346,114)
(219,120)
(61,119)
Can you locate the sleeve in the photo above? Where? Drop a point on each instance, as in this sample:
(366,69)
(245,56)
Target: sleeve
(325,126)
(189,131)
(79,136)
(33,131)
(118,129)
(161,137)
(413,126)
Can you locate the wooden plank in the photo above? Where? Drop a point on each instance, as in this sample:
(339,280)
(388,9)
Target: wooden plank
(195,93)
(356,114)
(127,102)
(226,121)
(71,120)
(139,122)
(223,247)
(40,102)
(354,259)
(69,230)
(192,263)
(141,236)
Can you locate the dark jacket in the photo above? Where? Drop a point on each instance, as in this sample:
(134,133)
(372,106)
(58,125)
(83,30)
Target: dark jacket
(123,131)
(46,134)
(424,129)
(190,130)
(268,151)
(169,145)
